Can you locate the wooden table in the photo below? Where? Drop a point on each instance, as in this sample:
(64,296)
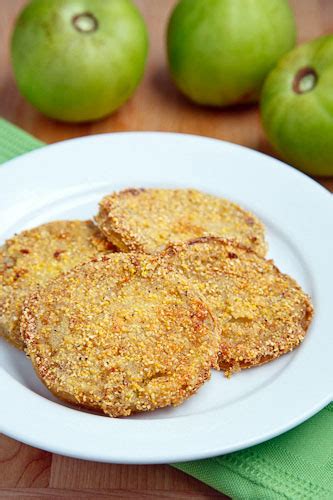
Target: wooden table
(26,472)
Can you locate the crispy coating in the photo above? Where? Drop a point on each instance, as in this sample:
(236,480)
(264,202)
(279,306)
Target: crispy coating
(148,219)
(260,312)
(37,255)
(120,335)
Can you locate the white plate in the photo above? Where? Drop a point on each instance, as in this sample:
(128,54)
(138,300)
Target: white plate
(66,180)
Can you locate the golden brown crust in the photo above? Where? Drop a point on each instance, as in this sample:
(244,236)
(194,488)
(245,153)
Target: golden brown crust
(121,335)
(260,312)
(37,255)
(149,219)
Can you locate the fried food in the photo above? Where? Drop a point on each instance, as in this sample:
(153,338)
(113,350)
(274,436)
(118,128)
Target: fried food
(120,335)
(260,312)
(148,219)
(37,255)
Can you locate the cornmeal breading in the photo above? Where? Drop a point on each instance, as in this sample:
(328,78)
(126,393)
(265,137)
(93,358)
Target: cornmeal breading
(37,255)
(120,335)
(260,312)
(148,219)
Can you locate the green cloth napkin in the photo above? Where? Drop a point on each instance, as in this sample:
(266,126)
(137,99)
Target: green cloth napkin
(14,141)
(296,465)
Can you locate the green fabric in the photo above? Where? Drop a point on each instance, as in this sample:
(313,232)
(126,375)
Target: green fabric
(296,465)
(14,141)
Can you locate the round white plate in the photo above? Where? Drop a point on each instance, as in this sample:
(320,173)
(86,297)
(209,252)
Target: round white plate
(66,180)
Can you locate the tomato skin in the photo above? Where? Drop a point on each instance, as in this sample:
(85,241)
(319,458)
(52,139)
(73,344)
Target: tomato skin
(297,107)
(79,60)
(220,51)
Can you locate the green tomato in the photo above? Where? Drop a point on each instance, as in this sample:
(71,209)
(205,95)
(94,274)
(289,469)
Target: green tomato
(79,60)
(220,51)
(297,107)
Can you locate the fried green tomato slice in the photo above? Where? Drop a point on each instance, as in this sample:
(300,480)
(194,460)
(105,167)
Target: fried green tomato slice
(37,255)
(148,219)
(260,312)
(119,335)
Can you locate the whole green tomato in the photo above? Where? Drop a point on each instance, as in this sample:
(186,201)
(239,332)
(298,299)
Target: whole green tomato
(220,51)
(297,107)
(79,60)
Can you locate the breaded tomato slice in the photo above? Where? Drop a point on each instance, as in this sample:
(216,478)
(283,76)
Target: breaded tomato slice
(120,335)
(37,255)
(148,219)
(260,312)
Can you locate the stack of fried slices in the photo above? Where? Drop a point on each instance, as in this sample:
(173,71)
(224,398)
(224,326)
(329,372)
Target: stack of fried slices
(131,314)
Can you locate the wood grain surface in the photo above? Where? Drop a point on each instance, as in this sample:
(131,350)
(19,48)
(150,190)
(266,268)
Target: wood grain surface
(26,472)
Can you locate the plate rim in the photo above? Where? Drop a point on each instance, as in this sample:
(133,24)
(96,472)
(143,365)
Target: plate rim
(277,161)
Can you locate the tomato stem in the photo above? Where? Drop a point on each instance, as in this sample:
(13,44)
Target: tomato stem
(305,80)
(85,22)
